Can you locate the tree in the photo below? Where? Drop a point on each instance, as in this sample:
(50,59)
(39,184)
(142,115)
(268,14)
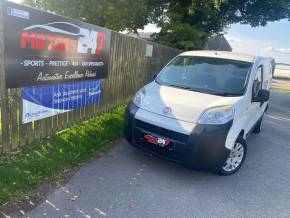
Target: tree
(117,15)
(185,24)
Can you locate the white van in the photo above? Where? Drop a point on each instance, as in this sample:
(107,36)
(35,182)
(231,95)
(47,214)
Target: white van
(201,108)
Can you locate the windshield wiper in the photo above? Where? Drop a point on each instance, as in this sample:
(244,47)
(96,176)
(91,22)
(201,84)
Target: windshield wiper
(205,91)
(179,86)
(227,94)
(213,92)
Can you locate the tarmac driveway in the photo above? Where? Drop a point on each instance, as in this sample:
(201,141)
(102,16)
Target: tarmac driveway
(129,183)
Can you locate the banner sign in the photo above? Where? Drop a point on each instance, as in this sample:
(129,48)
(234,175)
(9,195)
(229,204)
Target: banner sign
(43,48)
(48,100)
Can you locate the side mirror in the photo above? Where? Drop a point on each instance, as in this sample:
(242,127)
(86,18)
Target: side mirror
(263,96)
(155,76)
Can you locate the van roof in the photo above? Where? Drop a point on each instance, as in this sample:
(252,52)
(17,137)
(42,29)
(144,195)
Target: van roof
(220,54)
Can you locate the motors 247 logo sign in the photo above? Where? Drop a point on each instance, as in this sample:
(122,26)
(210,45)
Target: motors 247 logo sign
(42,48)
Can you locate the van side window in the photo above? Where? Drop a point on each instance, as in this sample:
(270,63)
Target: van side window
(258,82)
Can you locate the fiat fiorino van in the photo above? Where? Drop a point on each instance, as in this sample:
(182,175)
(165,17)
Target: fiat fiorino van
(200,109)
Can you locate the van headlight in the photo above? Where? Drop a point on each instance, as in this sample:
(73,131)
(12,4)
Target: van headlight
(138,99)
(217,115)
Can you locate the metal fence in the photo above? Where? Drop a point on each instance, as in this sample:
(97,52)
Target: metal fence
(130,69)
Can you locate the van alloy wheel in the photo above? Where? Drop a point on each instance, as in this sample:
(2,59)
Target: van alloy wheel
(236,158)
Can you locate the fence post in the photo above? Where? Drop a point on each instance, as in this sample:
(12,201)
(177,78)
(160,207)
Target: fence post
(3,91)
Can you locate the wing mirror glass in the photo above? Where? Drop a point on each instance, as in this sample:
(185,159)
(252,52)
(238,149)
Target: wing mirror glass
(263,96)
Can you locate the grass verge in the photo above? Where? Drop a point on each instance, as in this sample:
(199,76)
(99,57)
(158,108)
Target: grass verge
(22,173)
(281,90)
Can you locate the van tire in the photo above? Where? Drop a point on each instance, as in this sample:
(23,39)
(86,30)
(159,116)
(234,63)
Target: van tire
(258,126)
(240,142)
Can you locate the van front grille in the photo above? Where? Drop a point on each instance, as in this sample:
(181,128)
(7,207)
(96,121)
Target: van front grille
(162,131)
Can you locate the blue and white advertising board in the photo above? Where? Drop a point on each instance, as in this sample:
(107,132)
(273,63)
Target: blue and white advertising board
(44,101)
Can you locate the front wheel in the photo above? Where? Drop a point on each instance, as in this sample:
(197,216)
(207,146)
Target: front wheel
(235,159)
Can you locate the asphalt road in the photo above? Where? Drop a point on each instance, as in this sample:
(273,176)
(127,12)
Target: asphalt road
(129,183)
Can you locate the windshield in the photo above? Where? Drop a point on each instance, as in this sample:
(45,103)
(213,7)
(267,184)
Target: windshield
(208,75)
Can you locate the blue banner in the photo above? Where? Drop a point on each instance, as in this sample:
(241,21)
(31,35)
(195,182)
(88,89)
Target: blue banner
(48,100)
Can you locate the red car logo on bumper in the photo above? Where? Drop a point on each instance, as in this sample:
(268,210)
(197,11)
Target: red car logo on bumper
(157,140)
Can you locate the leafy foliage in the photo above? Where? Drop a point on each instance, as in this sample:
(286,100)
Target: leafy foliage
(113,14)
(20,173)
(185,24)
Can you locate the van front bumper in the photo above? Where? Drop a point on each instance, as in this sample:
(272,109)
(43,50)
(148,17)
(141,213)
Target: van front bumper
(203,148)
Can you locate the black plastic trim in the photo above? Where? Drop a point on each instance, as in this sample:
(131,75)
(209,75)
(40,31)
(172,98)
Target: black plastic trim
(253,127)
(203,148)
(207,146)
(131,110)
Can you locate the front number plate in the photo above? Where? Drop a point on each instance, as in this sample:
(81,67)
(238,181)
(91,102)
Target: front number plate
(160,141)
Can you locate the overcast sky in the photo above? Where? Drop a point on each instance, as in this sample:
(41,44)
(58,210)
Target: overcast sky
(272,40)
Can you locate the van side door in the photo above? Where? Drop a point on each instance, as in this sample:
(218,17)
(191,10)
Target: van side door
(258,84)
(254,107)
